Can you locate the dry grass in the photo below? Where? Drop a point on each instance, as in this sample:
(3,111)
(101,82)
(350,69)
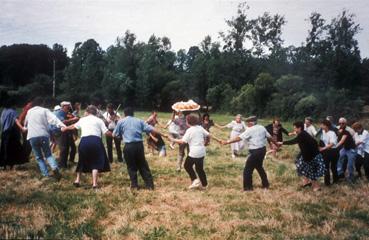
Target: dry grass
(33,208)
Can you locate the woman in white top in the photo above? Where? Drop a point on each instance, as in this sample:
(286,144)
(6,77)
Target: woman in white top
(327,147)
(92,154)
(195,137)
(238,126)
(361,138)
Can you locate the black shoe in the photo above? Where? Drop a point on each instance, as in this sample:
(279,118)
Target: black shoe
(76,184)
(57,175)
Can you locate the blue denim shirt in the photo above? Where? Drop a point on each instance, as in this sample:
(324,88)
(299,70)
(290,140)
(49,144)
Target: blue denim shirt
(131,129)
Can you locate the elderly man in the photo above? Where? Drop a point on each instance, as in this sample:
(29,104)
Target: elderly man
(347,146)
(130,129)
(36,122)
(256,137)
(65,138)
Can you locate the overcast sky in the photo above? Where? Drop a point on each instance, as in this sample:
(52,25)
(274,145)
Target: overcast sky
(185,22)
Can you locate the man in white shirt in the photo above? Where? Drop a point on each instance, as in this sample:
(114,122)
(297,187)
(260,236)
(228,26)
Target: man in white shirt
(256,137)
(111,118)
(36,123)
(361,138)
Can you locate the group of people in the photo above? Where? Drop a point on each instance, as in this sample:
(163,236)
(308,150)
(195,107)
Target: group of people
(329,151)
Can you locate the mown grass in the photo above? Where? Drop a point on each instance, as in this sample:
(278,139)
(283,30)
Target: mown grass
(31,208)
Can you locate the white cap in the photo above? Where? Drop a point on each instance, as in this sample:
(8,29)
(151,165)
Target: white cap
(65,103)
(57,107)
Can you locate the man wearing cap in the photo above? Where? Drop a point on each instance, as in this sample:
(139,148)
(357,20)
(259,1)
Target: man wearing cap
(256,137)
(65,137)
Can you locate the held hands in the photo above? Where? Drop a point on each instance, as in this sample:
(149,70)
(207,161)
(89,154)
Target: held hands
(64,129)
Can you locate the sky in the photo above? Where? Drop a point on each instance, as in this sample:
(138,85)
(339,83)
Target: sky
(185,22)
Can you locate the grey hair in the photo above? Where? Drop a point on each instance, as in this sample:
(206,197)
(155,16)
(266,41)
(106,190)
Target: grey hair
(91,109)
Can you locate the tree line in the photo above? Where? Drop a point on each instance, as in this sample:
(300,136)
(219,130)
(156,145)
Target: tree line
(248,70)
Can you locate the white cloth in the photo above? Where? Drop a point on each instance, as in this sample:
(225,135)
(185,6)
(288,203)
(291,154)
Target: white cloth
(311,130)
(37,121)
(256,136)
(111,124)
(172,127)
(91,126)
(329,137)
(237,129)
(195,137)
(364,146)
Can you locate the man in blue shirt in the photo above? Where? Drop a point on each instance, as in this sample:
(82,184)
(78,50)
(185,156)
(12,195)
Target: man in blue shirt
(65,140)
(131,129)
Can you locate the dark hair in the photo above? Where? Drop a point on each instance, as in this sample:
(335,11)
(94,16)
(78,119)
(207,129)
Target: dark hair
(299,124)
(110,106)
(326,122)
(192,120)
(38,101)
(309,119)
(128,111)
(276,119)
(91,109)
(205,115)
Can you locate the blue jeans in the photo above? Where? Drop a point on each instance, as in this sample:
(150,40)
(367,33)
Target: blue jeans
(351,156)
(41,149)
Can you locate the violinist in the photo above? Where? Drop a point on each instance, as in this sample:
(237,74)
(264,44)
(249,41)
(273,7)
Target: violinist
(111,118)
(65,138)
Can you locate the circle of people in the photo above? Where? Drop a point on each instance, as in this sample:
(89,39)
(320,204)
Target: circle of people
(338,151)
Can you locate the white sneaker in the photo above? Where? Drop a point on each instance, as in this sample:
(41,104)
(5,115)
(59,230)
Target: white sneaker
(233,156)
(195,184)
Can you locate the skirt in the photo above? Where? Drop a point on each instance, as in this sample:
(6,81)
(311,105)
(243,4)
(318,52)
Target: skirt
(313,169)
(92,155)
(237,147)
(12,151)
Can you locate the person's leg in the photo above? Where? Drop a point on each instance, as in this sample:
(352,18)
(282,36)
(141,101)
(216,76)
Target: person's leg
(334,155)
(129,156)
(37,151)
(259,158)
(117,143)
(62,142)
(366,165)
(188,166)
(109,144)
(247,172)
(45,145)
(181,153)
(358,164)
(327,175)
(78,178)
(73,148)
(143,167)
(95,174)
(351,155)
(341,159)
(199,166)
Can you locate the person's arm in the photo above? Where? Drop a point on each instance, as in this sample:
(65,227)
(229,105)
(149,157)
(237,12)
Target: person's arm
(54,120)
(68,128)
(328,146)
(173,115)
(285,131)
(153,138)
(343,139)
(18,123)
(234,140)
(222,126)
(290,142)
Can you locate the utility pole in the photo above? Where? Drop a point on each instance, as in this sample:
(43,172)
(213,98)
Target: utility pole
(53,78)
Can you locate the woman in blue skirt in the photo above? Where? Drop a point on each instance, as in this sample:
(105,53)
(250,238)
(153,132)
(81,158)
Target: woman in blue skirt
(310,163)
(92,154)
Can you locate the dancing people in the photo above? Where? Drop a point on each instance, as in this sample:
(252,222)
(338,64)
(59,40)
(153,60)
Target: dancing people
(111,119)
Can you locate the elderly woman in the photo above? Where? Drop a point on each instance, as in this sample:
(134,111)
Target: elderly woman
(92,155)
(310,163)
(238,126)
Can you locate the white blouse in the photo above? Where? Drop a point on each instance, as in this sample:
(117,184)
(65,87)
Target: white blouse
(91,126)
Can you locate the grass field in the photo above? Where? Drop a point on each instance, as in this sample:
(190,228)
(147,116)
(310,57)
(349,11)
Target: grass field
(56,210)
